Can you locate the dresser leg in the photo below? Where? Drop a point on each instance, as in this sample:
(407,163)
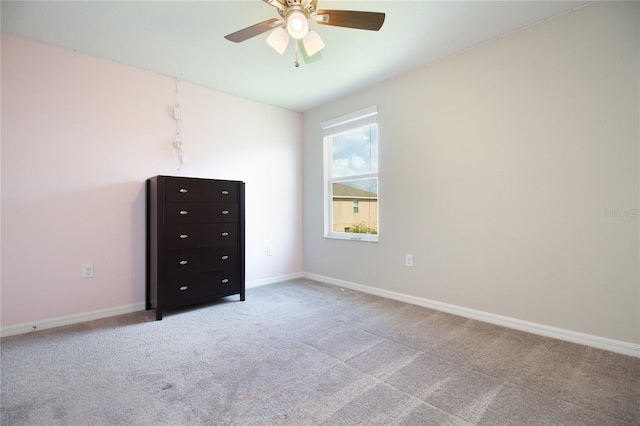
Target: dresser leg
(158,314)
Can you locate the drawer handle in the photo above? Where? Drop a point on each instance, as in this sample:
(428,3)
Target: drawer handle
(183,288)
(225,257)
(183,190)
(183,212)
(225,211)
(225,280)
(183,236)
(225,234)
(225,192)
(183,262)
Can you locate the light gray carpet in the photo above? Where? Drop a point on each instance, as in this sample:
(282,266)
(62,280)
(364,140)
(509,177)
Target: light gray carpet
(303,353)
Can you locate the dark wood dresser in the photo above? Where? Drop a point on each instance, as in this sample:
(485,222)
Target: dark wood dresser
(195,241)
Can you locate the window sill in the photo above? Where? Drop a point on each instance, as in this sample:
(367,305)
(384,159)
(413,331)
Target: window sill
(355,237)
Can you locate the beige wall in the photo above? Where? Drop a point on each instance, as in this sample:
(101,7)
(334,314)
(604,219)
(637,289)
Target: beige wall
(513,154)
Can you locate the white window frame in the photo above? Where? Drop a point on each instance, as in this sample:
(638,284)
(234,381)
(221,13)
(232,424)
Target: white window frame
(331,128)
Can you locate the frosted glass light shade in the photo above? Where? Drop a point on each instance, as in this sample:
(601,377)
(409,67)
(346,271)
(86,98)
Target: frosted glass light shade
(297,25)
(312,43)
(279,40)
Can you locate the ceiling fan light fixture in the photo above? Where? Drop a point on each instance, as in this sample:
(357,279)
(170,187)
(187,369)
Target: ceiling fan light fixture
(279,40)
(312,43)
(294,23)
(297,24)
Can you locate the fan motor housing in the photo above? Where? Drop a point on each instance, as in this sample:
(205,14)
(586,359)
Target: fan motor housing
(291,5)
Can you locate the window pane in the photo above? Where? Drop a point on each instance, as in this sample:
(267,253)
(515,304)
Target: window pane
(355,151)
(346,218)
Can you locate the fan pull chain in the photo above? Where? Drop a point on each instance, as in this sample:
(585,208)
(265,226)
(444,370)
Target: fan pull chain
(296,63)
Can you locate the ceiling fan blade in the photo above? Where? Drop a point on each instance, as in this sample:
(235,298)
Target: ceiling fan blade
(277,3)
(309,5)
(350,19)
(251,31)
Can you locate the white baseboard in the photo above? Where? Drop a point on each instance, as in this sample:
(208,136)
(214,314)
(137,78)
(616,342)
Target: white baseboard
(273,280)
(69,320)
(617,346)
(105,313)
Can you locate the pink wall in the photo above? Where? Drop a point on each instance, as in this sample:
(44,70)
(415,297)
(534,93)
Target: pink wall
(79,137)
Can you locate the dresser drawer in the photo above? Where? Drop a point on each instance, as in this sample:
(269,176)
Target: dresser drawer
(194,190)
(201,212)
(190,236)
(184,262)
(190,288)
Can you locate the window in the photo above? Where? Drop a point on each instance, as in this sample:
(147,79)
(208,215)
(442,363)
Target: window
(351,176)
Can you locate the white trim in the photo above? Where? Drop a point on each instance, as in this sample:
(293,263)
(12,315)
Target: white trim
(329,181)
(350,117)
(612,345)
(13,330)
(69,320)
(352,236)
(273,280)
(355,198)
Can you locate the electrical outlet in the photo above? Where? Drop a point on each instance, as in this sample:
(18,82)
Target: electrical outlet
(408,260)
(87,270)
(269,251)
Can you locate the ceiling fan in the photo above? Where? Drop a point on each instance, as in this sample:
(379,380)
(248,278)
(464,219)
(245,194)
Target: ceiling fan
(294,23)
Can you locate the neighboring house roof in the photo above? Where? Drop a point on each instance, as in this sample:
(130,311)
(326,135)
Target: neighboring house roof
(344,191)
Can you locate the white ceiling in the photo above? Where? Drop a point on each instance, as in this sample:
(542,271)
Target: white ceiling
(185,39)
